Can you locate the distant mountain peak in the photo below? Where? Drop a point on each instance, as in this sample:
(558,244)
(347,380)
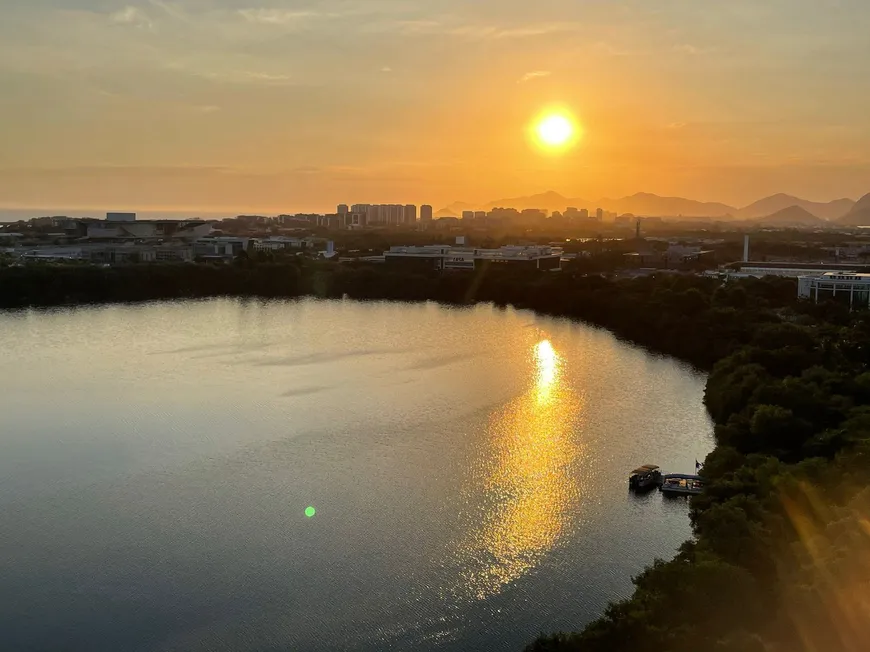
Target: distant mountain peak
(862,203)
(792,216)
(769,205)
(859,215)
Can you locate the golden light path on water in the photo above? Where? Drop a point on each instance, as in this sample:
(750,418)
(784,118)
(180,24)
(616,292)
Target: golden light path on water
(528,476)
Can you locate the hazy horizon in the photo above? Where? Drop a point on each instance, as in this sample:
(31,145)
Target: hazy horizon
(14,213)
(150,104)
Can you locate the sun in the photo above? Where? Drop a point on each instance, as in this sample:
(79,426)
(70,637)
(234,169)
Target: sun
(555,130)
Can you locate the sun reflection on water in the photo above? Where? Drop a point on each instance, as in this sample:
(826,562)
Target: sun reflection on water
(547,368)
(527,476)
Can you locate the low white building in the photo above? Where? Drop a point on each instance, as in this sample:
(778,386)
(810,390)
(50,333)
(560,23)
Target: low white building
(833,285)
(447,257)
(784,269)
(278,243)
(228,246)
(144,230)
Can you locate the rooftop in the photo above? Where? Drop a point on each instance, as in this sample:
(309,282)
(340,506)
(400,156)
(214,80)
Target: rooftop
(510,252)
(808,266)
(842,276)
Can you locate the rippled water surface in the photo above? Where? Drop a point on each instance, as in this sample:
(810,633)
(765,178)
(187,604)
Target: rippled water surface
(467,467)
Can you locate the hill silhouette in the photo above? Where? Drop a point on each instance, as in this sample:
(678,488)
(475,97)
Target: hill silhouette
(644,203)
(792,216)
(769,205)
(640,204)
(859,215)
(651,205)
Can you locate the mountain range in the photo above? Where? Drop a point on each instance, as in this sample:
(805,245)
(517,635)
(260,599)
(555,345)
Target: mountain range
(650,205)
(769,205)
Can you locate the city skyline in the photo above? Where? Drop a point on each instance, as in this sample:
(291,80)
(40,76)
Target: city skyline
(217,105)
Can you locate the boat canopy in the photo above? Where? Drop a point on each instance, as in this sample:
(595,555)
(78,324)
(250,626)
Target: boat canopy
(681,476)
(646,468)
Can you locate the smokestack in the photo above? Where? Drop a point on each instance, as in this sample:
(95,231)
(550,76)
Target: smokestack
(637,232)
(746,249)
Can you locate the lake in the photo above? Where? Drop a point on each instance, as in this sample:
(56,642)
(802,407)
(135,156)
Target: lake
(467,470)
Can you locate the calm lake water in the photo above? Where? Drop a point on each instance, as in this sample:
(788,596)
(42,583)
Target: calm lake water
(467,467)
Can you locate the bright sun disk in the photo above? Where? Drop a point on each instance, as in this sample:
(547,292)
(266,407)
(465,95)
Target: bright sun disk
(555,130)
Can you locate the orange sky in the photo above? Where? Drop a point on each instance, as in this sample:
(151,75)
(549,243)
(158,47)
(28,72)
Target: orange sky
(300,104)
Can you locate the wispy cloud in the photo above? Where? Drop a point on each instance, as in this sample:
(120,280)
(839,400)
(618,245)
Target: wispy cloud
(535,74)
(265,77)
(386,69)
(689,49)
(131,16)
(450,26)
(497,32)
(275,16)
(417,26)
(228,74)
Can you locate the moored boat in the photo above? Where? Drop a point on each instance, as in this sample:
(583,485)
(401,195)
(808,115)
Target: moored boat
(679,484)
(645,477)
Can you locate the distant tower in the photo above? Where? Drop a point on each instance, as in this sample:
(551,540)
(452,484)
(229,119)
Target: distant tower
(637,230)
(599,214)
(426,213)
(746,249)
(343,209)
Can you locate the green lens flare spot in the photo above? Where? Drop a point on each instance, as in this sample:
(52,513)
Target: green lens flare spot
(310,511)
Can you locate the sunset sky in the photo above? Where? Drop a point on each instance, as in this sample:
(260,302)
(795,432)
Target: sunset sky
(291,105)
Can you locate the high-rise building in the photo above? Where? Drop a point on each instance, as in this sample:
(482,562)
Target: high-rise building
(358,208)
(599,214)
(467,215)
(354,220)
(397,214)
(410,214)
(425,213)
(371,215)
(480,215)
(343,209)
(584,213)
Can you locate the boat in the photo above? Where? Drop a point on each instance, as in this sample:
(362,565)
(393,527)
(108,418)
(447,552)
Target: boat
(679,484)
(645,477)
